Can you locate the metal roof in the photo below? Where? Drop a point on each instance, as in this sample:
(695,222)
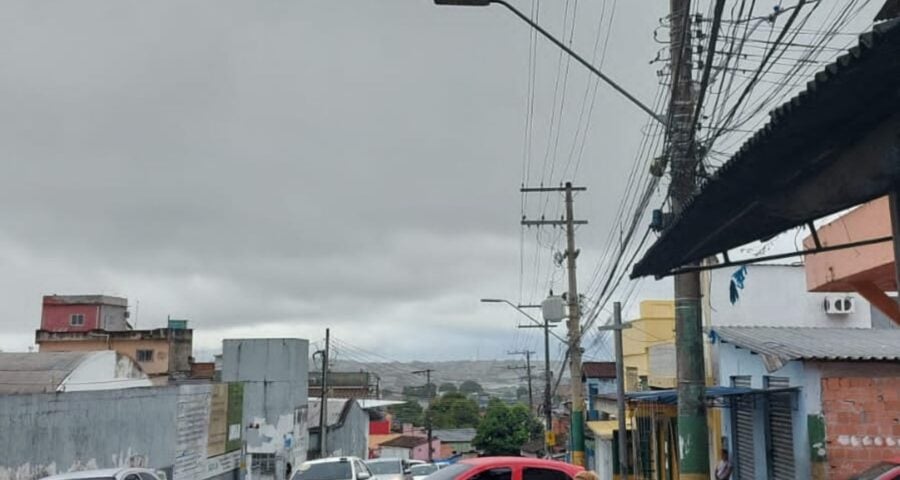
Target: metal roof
(793,170)
(37,372)
(456,435)
(777,346)
(405,441)
(335,413)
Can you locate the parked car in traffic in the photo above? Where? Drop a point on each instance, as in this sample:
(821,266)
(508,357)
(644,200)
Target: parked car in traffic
(333,468)
(507,468)
(389,469)
(422,470)
(111,474)
(885,470)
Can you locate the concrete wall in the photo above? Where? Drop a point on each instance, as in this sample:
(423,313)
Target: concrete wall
(45,434)
(57,317)
(776,295)
(348,438)
(129,347)
(275,377)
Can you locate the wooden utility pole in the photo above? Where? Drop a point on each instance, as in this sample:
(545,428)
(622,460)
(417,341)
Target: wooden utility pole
(574,320)
(693,431)
(527,368)
(428,423)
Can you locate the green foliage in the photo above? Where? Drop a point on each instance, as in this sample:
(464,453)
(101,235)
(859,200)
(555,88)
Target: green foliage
(504,429)
(470,386)
(409,412)
(454,410)
(448,387)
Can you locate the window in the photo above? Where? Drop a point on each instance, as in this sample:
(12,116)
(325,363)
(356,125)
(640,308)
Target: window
(147,476)
(132,476)
(499,473)
(263,463)
(76,320)
(145,355)
(543,474)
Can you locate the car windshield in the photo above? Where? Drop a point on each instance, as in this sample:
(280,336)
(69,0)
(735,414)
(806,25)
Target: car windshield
(450,472)
(386,467)
(423,469)
(324,471)
(876,471)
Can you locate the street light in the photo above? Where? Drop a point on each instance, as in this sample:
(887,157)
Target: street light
(529,21)
(546,325)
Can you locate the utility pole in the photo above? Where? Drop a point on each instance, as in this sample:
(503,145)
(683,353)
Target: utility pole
(548,374)
(527,354)
(693,431)
(428,391)
(620,388)
(323,406)
(574,320)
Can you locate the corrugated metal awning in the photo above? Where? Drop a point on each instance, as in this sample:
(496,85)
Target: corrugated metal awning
(829,148)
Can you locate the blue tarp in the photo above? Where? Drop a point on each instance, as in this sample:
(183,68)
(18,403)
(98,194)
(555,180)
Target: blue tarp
(670,397)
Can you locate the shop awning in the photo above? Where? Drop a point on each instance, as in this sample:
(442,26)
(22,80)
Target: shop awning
(833,146)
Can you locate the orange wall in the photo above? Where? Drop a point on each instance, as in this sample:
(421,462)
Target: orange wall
(833,271)
(160,347)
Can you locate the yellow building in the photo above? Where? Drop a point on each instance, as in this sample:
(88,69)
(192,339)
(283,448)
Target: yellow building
(648,346)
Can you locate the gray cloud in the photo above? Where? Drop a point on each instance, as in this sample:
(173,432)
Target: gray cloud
(273,168)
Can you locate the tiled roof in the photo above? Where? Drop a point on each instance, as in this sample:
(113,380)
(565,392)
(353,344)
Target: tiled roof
(405,441)
(598,369)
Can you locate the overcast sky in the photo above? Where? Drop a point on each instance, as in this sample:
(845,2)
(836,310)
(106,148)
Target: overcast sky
(274,168)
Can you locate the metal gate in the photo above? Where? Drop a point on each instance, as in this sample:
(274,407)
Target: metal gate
(742,426)
(780,434)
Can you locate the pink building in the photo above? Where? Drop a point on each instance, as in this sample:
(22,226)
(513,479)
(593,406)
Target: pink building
(83,313)
(868,270)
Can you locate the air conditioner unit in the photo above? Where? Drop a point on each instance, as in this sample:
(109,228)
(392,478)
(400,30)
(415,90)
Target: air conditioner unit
(839,305)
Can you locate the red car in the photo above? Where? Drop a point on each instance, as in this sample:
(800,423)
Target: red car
(886,470)
(506,468)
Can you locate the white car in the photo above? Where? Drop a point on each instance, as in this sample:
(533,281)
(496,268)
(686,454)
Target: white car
(111,474)
(333,468)
(422,470)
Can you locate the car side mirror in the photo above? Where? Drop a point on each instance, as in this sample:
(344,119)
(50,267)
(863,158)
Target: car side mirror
(363,475)
(407,471)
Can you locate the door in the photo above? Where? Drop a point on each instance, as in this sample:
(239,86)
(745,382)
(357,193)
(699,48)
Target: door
(780,430)
(742,428)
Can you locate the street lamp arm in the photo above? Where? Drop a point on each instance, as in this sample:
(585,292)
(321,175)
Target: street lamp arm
(581,60)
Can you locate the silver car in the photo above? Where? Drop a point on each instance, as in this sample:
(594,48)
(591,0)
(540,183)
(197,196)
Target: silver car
(111,474)
(389,469)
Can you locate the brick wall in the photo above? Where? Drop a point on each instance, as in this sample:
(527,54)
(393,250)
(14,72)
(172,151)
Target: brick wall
(862,422)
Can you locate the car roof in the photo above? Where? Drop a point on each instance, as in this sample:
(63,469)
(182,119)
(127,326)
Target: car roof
(522,461)
(330,460)
(106,472)
(383,460)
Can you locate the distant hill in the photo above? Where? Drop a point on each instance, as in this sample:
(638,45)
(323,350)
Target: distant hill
(495,376)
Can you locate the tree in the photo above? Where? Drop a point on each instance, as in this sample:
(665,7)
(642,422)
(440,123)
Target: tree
(409,412)
(448,387)
(469,387)
(504,430)
(454,410)
(521,393)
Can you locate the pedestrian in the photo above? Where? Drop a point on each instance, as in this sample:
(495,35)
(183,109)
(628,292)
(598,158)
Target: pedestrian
(586,475)
(724,467)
